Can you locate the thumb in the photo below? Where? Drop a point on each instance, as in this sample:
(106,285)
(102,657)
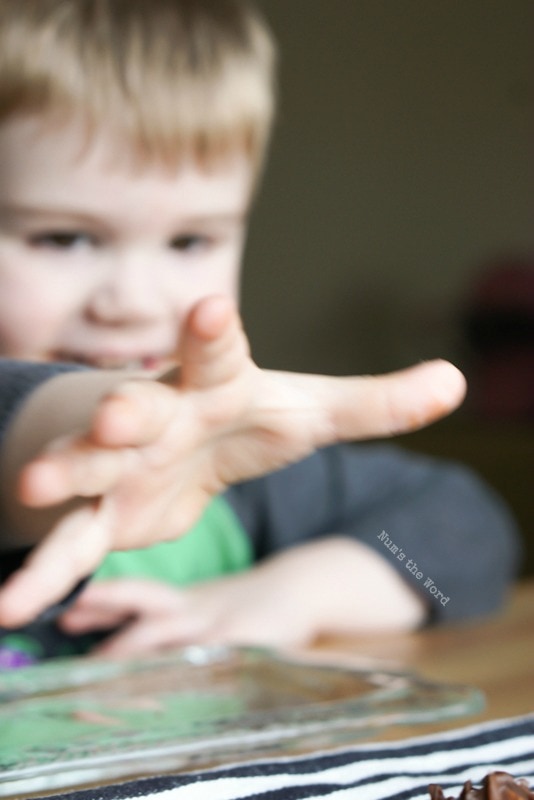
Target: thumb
(385,405)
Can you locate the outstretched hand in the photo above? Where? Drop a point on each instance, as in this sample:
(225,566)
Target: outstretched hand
(156,452)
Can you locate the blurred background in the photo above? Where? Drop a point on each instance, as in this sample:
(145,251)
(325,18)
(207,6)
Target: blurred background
(395,219)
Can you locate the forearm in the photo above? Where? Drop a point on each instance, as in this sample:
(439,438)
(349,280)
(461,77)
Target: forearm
(347,588)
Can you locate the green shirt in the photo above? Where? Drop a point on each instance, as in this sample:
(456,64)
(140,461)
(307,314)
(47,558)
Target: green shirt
(216,545)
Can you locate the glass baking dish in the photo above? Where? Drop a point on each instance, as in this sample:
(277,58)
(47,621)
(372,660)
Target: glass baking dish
(73,722)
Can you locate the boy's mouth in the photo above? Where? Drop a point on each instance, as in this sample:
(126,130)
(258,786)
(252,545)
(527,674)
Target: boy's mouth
(139,363)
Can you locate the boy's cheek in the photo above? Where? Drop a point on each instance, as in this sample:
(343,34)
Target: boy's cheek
(14,322)
(31,314)
(24,330)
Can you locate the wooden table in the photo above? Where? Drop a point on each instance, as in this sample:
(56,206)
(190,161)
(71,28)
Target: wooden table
(495,655)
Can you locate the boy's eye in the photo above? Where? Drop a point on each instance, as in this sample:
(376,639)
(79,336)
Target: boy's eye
(188,242)
(61,240)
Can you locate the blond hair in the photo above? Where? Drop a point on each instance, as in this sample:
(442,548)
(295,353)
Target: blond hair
(172,76)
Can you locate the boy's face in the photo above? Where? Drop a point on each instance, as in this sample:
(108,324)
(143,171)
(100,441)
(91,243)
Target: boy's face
(100,263)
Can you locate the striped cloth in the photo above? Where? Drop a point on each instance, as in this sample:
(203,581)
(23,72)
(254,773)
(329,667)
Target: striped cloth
(400,770)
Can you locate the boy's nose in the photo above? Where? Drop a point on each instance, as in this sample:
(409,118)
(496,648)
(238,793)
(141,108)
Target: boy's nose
(129,293)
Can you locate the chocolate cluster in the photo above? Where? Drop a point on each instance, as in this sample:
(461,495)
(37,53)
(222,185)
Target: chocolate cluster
(495,786)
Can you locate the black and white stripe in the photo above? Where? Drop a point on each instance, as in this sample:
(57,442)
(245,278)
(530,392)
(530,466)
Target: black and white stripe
(396,771)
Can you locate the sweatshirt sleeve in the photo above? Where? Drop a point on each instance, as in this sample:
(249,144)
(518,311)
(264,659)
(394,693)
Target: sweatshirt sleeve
(448,534)
(18,379)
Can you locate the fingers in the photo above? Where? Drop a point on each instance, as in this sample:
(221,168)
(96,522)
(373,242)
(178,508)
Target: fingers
(73,467)
(412,398)
(108,604)
(66,556)
(124,427)
(214,349)
(142,636)
(151,616)
(386,405)
(135,414)
(214,346)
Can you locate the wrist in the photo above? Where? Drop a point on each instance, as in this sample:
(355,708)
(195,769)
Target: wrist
(351,589)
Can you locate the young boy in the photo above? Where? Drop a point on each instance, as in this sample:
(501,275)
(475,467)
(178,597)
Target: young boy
(131,140)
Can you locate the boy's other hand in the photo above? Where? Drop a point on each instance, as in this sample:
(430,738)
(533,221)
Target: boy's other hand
(288,600)
(156,452)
